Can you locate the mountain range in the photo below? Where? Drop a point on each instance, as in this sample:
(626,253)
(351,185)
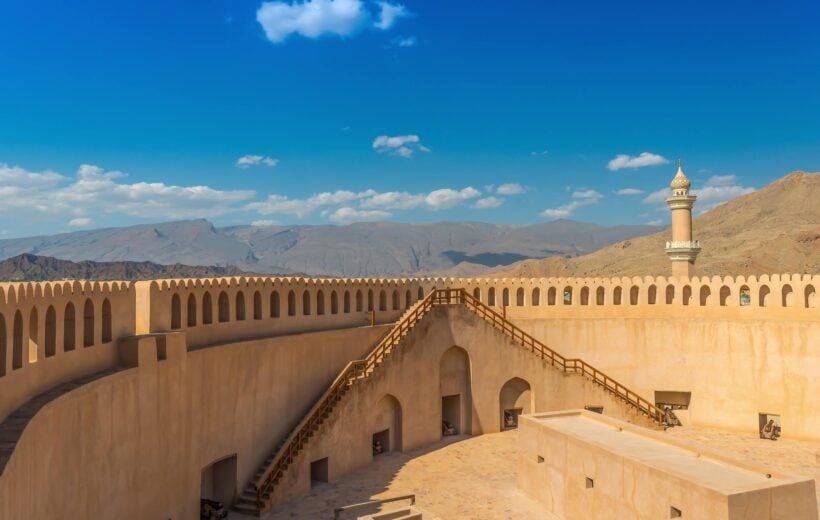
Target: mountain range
(362,249)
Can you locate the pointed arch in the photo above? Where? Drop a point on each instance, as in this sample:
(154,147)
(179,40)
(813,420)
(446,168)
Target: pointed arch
(224,307)
(191,310)
(505,297)
(334,302)
(652,295)
(370,300)
(240,306)
(275,309)
(176,312)
(705,295)
(519,297)
(359,301)
(106,321)
(421,293)
(408,299)
(725,294)
(535,301)
(382,300)
(306,303)
(670,294)
(763,296)
(51,332)
(617,295)
(491,296)
(551,296)
(477,294)
(69,328)
(88,323)
(346,302)
(634,294)
(33,335)
(396,300)
(809,297)
(568,295)
(17,342)
(585,295)
(514,398)
(320,302)
(787,299)
(257,305)
(600,295)
(291,303)
(207,309)
(3,346)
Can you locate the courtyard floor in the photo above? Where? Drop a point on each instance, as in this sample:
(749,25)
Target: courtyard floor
(474,478)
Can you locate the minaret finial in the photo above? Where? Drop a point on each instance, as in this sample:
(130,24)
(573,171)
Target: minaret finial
(680,163)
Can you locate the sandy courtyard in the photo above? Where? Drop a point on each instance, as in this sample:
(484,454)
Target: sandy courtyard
(475,477)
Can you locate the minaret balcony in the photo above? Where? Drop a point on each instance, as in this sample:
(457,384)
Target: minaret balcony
(683,244)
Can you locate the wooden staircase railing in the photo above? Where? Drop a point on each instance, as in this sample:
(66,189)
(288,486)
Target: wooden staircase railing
(362,368)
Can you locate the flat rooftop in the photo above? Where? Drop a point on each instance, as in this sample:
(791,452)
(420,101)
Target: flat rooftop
(659,451)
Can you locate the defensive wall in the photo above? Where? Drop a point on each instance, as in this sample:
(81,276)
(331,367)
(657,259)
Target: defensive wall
(225,366)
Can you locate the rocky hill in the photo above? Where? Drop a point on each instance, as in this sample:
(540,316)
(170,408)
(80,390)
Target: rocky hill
(36,268)
(364,249)
(773,230)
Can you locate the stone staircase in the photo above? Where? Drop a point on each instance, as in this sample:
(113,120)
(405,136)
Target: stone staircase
(409,513)
(255,497)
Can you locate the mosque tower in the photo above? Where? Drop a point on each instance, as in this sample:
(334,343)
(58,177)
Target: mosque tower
(682,250)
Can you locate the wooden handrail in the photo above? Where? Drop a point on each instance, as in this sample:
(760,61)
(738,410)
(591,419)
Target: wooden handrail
(339,510)
(361,368)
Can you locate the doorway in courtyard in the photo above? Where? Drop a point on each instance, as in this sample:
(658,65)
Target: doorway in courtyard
(381,442)
(318,472)
(451,415)
(218,482)
(515,398)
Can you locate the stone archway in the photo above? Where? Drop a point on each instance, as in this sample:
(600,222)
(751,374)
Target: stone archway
(456,391)
(386,425)
(514,399)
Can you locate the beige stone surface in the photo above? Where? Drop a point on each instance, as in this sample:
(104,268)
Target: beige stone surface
(460,478)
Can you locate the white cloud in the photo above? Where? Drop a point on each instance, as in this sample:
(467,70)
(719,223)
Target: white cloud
(247,161)
(401,145)
(94,189)
(580,199)
(447,198)
(346,215)
(629,191)
(488,203)
(657,222)
(301,208)
(715,191)
(542,152)
(388,14)
(402,41)
(510,188)
(622,161)
(79,222)
(315,18)
(263,223)
(394,200)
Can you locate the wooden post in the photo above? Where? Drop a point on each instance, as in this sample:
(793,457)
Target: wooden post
(504,311)
(372,318)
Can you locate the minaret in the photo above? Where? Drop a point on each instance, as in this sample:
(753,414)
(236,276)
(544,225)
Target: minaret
(682,250)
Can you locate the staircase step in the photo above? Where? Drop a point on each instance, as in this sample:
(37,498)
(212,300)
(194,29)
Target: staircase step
(250,511)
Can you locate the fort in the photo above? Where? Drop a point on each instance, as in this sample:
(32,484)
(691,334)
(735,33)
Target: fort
(129,399)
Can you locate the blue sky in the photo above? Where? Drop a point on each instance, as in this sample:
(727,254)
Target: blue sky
(332,111)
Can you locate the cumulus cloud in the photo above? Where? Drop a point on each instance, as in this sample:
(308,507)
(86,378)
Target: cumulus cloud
(402,41)
(388,14)
(656,222)
(401,145)
(247,161)
(622,161)
(346,215)
(94,189)
(629,191)
(714,192)
(263,223)
(79,222)
(579,199)
(488,203)
(315,18)
(510,189)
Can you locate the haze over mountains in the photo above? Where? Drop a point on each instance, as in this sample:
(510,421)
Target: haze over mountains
(773,230)
(364,249)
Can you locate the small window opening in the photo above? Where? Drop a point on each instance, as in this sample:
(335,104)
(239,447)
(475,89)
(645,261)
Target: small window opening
(540,459)
(596,409)
(590,483)
(674,512)
(318,472)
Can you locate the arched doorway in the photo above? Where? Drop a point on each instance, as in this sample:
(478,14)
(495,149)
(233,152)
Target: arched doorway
(386,425)
(515,398)
(456,393)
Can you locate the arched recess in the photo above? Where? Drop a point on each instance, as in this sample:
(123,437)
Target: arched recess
(207,309)
(257,305)
(505,297)
(359,301)
(687,294)
(788,296)
(386,425)
(88,323)
(408,299)
(600,294)
(456,390)
(763,296)
(346,302)
(382,300)
(745,296)
(69,328)
(17,342)
(306,303)
(551,296)
(705,295)
(320,302)
(421,293)
(584,295)
(809,297)
(652,295)
(670,294)
(106,321)
(725,293)
(519,297)
(291,303)
(176,312)
(535,301)
(634,294)
(51,332)
(275,309)
(396,300)
(617,295)
(224,307)
(334,302)
(514,399)
(370,300)
(477,294)
(191,310)
(491,296)
(33,335)
(240,306)
(3,346)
